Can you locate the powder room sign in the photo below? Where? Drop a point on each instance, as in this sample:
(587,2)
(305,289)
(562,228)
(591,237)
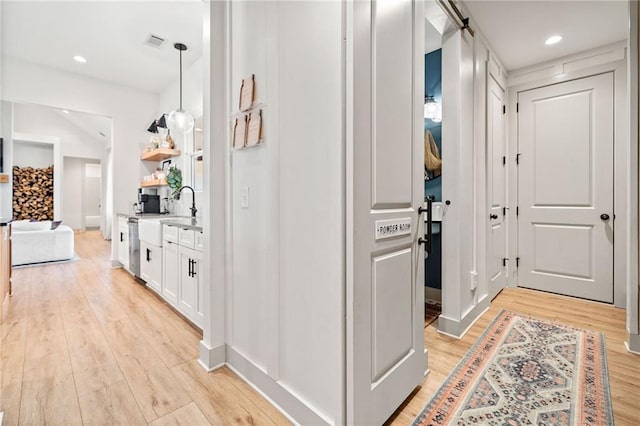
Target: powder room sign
(392,227)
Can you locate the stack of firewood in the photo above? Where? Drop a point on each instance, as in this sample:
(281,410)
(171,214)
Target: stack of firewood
(32,193)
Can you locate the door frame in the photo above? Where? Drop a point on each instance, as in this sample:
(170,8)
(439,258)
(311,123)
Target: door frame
(623,187)
(493,75)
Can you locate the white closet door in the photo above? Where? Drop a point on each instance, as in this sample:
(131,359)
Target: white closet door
(497,175)
(565,226)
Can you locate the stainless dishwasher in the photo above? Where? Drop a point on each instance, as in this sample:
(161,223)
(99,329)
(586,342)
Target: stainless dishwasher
(134,247)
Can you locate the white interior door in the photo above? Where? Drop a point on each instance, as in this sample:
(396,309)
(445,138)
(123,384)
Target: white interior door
(496,171)
(385,295)
(565,226)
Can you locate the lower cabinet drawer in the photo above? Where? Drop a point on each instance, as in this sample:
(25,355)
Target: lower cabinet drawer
(170,233)
(186,238)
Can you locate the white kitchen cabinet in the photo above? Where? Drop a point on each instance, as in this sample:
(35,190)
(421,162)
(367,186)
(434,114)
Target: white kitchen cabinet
(151,265)
(171,272)
(181,283)
(187,238)
(188,293)
(123,242)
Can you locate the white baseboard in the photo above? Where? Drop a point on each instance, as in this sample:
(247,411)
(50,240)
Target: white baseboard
(211,357)
(458,328)
(292,406)
(633,343)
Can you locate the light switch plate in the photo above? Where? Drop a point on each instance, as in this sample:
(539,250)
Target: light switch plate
(244,197)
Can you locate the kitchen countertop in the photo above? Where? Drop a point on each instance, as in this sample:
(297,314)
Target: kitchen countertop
(141,215)
(184,222)
(167,219)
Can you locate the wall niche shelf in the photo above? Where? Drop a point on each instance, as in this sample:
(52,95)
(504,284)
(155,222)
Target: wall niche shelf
(153,183)
(159,154)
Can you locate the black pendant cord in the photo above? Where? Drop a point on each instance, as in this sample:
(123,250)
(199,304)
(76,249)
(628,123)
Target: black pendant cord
(181,47)
(180,80)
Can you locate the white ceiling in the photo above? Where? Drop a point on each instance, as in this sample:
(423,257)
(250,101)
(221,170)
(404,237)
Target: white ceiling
(518,29)
(109,34)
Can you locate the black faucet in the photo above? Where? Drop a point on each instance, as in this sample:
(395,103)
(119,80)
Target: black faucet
(193,200)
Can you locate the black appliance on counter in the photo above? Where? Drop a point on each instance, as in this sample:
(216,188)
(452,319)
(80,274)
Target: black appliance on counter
(148,203)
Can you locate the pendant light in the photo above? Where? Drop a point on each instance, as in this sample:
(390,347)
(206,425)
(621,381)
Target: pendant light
(432,109)
(180,121)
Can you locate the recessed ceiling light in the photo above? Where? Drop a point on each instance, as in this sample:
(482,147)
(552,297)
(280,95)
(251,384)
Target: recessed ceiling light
(65,111)
(553,40)
(80,59)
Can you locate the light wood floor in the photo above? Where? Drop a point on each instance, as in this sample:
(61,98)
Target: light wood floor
(85,344)
(624,368)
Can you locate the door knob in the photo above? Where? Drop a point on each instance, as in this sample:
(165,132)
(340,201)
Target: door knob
(493,216)
(604,216)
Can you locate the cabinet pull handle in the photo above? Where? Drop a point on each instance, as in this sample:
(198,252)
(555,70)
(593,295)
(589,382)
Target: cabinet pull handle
(148,255)
(121,237)
(190,265)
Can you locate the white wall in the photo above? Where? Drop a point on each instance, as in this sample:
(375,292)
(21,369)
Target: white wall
(130,109)
(465,60)
(192,90)
(286,286)
(29,154)
(44,121)
(72,184)
(192,101)
(633,285)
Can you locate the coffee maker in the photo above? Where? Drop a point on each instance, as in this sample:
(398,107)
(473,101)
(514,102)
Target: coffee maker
(148,203)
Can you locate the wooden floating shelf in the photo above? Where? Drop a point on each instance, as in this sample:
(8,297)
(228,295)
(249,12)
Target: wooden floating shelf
(4,178)
(152,183)
(159,154)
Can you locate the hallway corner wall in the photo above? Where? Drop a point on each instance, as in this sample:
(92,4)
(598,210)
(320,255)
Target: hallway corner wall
(633,87)
(285,294)
(466,61)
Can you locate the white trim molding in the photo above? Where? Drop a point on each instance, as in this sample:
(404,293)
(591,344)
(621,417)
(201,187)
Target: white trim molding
(211,357)
(458,328)
(559,67)
(293,406)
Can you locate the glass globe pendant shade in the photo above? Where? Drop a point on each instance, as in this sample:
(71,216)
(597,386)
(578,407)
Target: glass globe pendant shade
(432,109)
(180,122)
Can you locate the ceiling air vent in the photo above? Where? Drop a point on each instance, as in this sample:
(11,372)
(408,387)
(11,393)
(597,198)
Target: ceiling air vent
(154,41)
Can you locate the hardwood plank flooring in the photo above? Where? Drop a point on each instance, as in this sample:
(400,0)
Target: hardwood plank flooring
(85,344)
(624,368)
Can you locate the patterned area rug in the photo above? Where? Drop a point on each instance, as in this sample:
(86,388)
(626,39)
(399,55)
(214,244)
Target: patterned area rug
(526,371)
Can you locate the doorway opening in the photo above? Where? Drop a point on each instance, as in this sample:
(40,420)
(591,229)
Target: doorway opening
(437,24)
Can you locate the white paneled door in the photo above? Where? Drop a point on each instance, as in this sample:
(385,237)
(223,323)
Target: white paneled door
(496,191)
(565,225)
(385,263)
